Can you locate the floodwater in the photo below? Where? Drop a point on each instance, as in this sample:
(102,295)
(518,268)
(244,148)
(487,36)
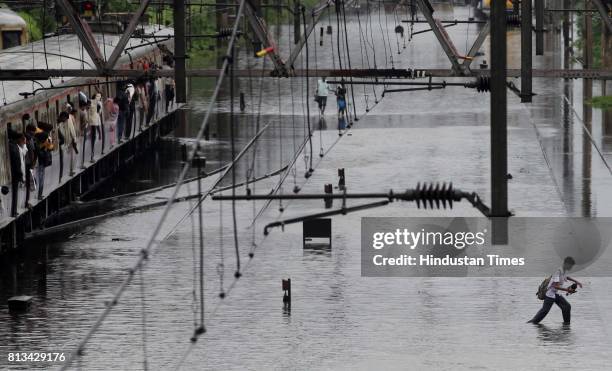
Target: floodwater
(338,319)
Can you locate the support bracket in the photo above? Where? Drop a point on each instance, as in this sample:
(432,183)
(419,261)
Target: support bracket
(83,32)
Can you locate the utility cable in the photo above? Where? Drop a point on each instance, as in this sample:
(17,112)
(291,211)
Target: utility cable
(155,231)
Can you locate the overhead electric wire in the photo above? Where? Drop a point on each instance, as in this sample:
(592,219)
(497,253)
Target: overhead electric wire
(151,241)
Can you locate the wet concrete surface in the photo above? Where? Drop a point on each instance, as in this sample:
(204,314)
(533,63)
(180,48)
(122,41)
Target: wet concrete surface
(338,319)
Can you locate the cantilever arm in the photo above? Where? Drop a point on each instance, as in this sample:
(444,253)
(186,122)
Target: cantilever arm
(343,211)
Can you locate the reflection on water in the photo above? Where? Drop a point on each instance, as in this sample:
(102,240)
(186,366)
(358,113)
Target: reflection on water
(560,336)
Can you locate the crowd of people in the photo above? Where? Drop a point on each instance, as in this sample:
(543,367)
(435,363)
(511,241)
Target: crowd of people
(31,143)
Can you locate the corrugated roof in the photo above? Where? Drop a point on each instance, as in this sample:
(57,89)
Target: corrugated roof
(10,18)
(63,52)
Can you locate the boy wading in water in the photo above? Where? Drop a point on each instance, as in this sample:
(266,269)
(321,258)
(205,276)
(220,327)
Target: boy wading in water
(552,297)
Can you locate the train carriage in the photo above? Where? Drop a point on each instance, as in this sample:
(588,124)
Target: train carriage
(44,99)
(13,29)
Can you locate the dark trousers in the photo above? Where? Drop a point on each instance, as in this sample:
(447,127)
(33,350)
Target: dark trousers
(28,182)
(566,309)
(151,113)
(129,122)
(14,197)
(102,135)
(141,117)
(121,124)
(93,130)
(84,141)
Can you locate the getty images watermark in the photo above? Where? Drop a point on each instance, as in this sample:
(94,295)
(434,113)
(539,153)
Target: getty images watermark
(459,247)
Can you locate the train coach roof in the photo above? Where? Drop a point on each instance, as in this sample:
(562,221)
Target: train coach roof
(63,52)
(10,18)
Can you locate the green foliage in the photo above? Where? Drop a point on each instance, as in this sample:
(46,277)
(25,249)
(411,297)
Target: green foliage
(34,19)
(597,31)
(117,6)
(33,26)
(602,102)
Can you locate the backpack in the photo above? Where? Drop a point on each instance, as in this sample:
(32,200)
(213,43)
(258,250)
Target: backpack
(541,293)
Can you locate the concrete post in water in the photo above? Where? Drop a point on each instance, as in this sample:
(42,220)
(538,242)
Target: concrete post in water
(499,140)
(329,202)
(341,180)
(566,36)
(539,28)
(180,52)
(296,22)
(526,52)
(587,60)
(606,63)
(286,286)
(587,94)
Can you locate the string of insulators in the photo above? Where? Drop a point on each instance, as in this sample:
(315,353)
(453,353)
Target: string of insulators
(513,19)
(428,192)
(482,84)
(264,51)
(224,32)
(418,74)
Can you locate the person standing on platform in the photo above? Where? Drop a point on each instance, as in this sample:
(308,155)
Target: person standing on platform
(99,109)
(94,124)
(17,167)
(129,121)
(44,147)
(110,116)
(152,94)
(84,125)
(168,84)
(70,139)
(142,103)
(124,109)
(30,163)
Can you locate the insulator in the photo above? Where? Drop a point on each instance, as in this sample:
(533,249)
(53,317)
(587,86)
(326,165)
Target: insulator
(321,37)
(434,193)
(417,74)
(329,30)
(482,84)
(513,19)
(224,32)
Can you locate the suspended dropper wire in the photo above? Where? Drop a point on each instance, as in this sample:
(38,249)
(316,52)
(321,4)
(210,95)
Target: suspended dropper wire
(310,169)
(233,149)
(232,285)
(78,351)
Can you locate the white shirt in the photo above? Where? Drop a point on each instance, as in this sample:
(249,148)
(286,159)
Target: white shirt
(94,118)
(559,277)
(23,151)
(322,88)
(167,79)
(130,90)
(70,132)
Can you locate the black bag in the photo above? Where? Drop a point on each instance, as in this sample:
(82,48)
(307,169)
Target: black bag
(45,157)
(541,293)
